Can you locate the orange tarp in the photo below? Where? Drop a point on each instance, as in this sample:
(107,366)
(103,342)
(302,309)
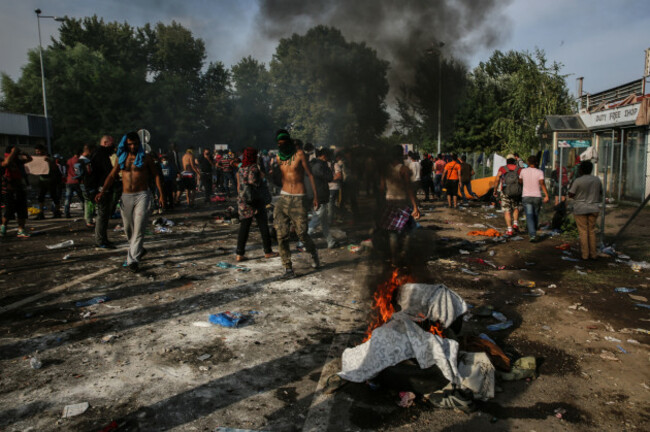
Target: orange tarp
(490,232)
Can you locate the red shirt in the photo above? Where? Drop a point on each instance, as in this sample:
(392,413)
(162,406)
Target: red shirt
(439,166)
(70,176)
(503,171)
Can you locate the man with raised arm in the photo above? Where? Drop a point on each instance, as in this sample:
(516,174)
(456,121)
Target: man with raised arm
(137,169)
(291,208)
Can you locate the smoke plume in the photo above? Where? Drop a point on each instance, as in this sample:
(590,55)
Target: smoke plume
(400,30)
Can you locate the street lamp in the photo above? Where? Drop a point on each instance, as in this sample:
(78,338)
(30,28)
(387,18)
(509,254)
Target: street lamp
(40,53)
(439,52)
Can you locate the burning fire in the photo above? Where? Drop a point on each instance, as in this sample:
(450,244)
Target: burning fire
(384,307)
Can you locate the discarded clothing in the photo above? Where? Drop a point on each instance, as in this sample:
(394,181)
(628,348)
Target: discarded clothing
(92,301)
(231,319)
(491,232)
(477,374)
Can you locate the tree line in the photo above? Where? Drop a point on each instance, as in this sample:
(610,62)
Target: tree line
(108,78)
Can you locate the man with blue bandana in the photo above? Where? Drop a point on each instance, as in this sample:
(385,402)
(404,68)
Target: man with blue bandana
(137,169)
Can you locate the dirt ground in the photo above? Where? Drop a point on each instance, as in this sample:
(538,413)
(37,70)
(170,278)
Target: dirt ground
(139,359)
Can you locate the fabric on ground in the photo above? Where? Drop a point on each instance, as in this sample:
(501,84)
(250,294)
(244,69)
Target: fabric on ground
(491,232)
(477,374)
(401,338)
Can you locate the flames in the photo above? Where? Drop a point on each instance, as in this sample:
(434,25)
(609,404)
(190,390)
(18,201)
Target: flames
(384,307)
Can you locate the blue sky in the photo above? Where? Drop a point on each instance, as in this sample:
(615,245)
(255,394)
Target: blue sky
(604,41)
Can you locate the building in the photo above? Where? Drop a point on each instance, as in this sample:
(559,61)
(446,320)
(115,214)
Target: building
(24,130)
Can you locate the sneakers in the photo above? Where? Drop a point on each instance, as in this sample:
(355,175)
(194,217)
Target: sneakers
(453,399)
(241,258)
(316,263)
(22,234)
(288,274)
(509,232)
(3,230)
(534,239)
(133,267)
(515,227)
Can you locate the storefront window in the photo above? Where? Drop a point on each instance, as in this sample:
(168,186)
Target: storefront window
(634,165)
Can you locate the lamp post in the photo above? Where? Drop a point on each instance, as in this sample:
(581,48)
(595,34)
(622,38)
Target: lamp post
(40,53)
(440,45)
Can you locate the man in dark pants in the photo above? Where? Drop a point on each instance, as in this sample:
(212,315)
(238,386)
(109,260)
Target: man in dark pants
(205,167)
(101,168)
(426,177)
(48,184)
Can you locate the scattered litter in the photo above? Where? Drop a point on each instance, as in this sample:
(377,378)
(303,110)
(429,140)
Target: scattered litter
(636,266)
(577,306)
(225,265)
(643,331)
(231,319)
(162,230)
(500,326)
(161,221)
(75,410)
(92,301)
(537,292)
(621,349)
(407,399)
(463,252)
(642,305)
(633,341)
(482,261)
(108,338)
(65,244)
(478,226)
(581,273)
(487,338)
(611,339)
(499,316)
(354,248)
(469,272)
(526,283)
(566,258)
(35,363)
(201,324)
(606,355)
(552,286)
(624,290)
(492,253)
(638,298)
(66,256)
(522,368)
(491,232)
(118,228)
(516,238)
(204,357)
(563,246)
(483,311)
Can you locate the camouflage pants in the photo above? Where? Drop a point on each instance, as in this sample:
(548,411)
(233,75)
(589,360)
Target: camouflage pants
(291,210)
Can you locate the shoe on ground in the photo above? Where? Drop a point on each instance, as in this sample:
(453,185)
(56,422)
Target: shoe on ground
(534,239)
(23,234)
(515,227)
(316,262)
(288,274)
(241,258)
(452,400)
(510,233)
(271,255)
(133,267)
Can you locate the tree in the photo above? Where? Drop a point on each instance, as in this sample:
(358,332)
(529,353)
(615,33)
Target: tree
(509,96)
(329,91)
(253,122)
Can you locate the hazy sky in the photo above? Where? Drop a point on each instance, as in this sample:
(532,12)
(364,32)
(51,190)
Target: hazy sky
(604,41)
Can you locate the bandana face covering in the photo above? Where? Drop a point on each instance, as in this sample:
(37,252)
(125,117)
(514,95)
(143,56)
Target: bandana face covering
(286,150)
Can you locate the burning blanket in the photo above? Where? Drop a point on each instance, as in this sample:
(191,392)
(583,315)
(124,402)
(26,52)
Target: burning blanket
(402,338)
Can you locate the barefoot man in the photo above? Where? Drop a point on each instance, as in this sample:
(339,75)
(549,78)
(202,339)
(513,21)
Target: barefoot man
(137,170)
(291,208)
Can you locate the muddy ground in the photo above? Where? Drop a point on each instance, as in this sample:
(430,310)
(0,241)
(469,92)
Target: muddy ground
(139,359)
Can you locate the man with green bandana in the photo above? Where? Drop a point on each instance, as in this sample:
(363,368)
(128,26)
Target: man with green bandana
(291,207)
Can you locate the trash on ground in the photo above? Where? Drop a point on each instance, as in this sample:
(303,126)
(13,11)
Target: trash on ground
(526,283)
(201,324)
(75,409)
(559,412)
(225,265)
(500,326)
(499,316)
(487,338)
(65,244)
(161,221)
(638,298)
(490,232)
(624,290)
(469,272)
(66,256)
(35,363)
(621,349)
(577,306)
(567,258)
(516,238)
(162,230)
(563,246)
(552,286)
(641,305)
(118,228)
(108,338)
(231,319)
(536,292)
(611,339)
(92,301)
(522,368)
(204,357)
(463,252)
(482,261)
(406,399)
(354,248)
(606,355)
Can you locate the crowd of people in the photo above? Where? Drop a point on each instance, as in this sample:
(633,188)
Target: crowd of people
(314,188)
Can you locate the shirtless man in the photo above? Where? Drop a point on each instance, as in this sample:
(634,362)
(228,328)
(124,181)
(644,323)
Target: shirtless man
(189,175)
(291,207)
(137,169)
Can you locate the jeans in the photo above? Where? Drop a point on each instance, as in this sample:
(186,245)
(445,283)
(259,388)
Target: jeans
(320,216)
(206,181)
(437,185)
(532,206)
(332,205)
(71,189)
(467,185)
(229,180)
(135,207)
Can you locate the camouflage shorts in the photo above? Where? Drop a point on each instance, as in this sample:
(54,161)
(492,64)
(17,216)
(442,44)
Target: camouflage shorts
(510,204)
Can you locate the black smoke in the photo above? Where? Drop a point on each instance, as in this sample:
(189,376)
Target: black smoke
(400,30)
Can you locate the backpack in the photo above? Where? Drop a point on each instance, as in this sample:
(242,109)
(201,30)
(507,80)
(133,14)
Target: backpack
(511,186)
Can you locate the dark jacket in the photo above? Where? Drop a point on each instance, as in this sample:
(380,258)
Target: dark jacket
(101,168)
(322,176)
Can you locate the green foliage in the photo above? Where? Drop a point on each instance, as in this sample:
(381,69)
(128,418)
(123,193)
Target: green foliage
(330,91)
